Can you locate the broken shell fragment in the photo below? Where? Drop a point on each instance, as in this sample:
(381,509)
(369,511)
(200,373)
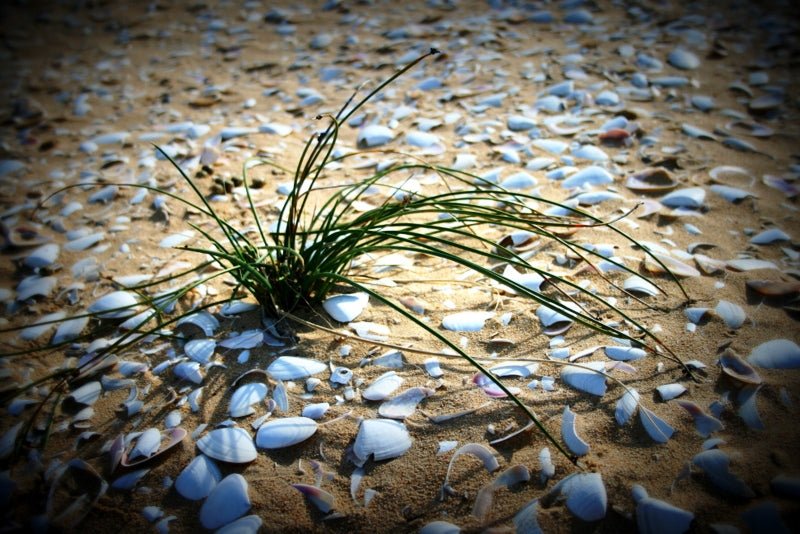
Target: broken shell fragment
(569,435)
(345,308)
(405,404)
(227,502)
(198,478)
(380,438)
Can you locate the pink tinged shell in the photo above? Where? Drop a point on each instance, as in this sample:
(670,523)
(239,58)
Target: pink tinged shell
(227,502)
(285,432)
(198,478)
(776,354)
(383,386)
(382,439)
(520,369)
(232,444)
(345,308)
(568,433)
(468,321)
(320,498)
(738,369)
(585,495)
(703,422)
(244,397)
(490,388)
(405,404)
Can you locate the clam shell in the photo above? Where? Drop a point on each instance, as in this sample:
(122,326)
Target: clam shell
(152,443)
(315,411)
(374,135)
(381,438)
(285,432)
(689,197)
(735,367)
(383,386)
(249,339)
(231,444)
(42,325)
(626,406)
(43,256)
(244,397)
(294,368)
(584,379)
(624,354)
(704,423)
(658,429)
(569,435)
(776,354)
(432,368)
(585,495)
(468,321)
(320,498)
(592,175)
(35,286)
(115,305)
(651,180)
(87,394)
(670,391)
(227,502)
(189,371)
(200,350)
(69,330)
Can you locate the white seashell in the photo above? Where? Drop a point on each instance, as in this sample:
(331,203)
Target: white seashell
(236,307)
(200,350)
(568,434)
(341,375)
(624,354)
(432,368)
(294,368)
(422,139)
(683,59)
(176,240)
(152,513)
(405,404)
(345,308)
(275,128)
(750,264)
(189,371)
(553,146)
(249,524)
(115,305)
(654,516)
(42,325)
(519,123)
(227,502)
(670,391)
(731,314)
(439,527)
(637,284)
(731,194)
(383,386)
(695,315)
(312,383)
(678,268)
(592,175)
(43,256)
(766,237)
(586,380)
(87,394)
(776,354)
(280,396)
(315,411)
(249,339)
(370,331)
(285,432)
(585,495)
(231,444)
(374,135)
(715,463)
(518,180)
(147,444)
(520,369)
(69,329)
(526,521)
(690,197)
(445,447)
(547,468)
(35,286)
(626,406)
(82,243)
(468,321)
(128,481)
(381,438)
(590,152)
(172,419)
(658,429)
(244,397)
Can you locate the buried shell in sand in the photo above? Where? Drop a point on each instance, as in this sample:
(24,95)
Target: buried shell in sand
(606,120)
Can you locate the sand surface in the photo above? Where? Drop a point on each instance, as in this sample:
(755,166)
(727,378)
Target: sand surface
(74,72)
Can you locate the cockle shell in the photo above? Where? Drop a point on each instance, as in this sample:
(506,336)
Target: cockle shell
(231,444)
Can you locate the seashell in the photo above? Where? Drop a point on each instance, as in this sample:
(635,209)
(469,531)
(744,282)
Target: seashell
(520,123)
(547,467)
(315,411)
(380,438)
(468,321)
(731,194)
(176,240)
(765,103)
(43,256)
(422,139)
(589,176)
(552,146)
(173,419)
(683,59)
(248,339)
(769,236)
(87,394)
(670,81)
(637,284)
(114,305)
(432,368)
(668,392)
(64,511)
(654,516)
(697,132)
(227,502)
(776,354)
(152,513)
(244,397)
(678,268)
(280,396)
(236,307)
(341,375)
(526,521)
(518,180)
(41,325)
(703,102)
(128,481)
(748,410)
(704,423)
(735,367)
(405,404)
(695,315)
(393,359)
(152,443)
(592,198)
(626,406)
(84,242)
(249,524)
(9,439)
(35,286)
(189,371)
(531,281)
(200,350)
(554,322)
(585,495)
(658,429)
(574,443)
(231,444)
(490,388)
(587,377)
(520,369)
(716,465)
(374,135)
(750,264)
(439,527)
(285,432)
(578,16)
(511,476)
(414,304)
(383,386)
(294,368)
(731,314)
(624,354)
(320,498)
(689,197)
(275,128)
(345,308)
